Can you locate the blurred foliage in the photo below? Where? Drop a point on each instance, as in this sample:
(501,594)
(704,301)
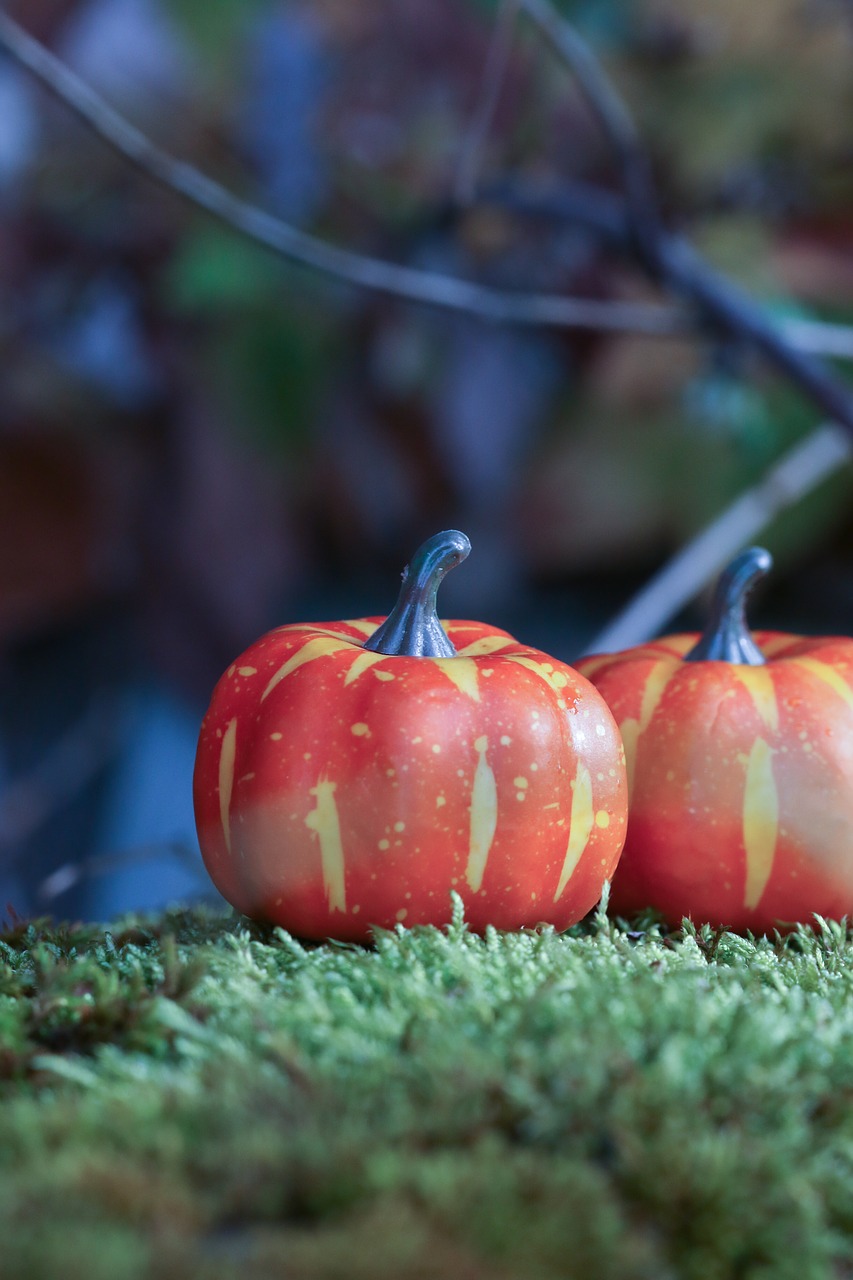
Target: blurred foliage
(198,440)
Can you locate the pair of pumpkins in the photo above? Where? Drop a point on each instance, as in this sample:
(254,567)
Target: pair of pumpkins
(353,774)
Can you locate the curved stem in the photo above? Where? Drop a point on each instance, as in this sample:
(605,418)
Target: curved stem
(412,627)
(726,637)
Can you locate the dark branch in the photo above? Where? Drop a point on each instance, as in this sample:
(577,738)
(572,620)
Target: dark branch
(603,213)
(669,258)
(493,78)
(615,118)
(342,264)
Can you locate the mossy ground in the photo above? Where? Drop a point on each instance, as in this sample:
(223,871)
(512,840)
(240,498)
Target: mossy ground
(201,1098)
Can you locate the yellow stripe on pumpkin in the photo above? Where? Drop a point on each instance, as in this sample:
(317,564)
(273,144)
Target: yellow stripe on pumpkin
(555,680)
(361,624)
(758,683)
(227,757)
(582,822)
(484,816)
(485,645)
(365,659)
(462,672)
(656,681)
(760,821)
(322,647)
(827,674)
(325,821)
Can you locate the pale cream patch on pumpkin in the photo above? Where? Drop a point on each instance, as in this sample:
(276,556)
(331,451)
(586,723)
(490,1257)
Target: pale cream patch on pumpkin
(581,822)
(463,673)
(321,647)
(227,757)
(325,822)
(760,821)
(758,683)
(484,816)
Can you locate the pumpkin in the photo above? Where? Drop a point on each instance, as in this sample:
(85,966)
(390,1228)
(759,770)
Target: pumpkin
(354,774)
(740,765)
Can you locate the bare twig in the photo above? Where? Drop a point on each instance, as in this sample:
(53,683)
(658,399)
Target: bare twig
(493,78)
(605,215)
(802,468)
(615,119)
(670,258)
(368,273)
(542,310)
(820,337)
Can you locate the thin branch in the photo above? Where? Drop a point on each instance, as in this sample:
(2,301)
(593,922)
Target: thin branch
(605,214)
(670,258)
(820,337)
(540,310)
(298,246)
(615,118)
(494,74)
(800,470)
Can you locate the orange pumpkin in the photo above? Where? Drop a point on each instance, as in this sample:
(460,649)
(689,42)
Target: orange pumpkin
(740,765)
(352,774)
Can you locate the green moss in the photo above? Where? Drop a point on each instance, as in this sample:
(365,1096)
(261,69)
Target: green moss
(199,1097)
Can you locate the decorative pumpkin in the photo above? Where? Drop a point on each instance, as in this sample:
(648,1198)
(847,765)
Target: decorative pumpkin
(352,774)
(740,766)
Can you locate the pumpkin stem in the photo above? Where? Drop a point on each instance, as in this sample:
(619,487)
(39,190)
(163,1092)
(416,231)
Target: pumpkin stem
(726,637)
(412,627)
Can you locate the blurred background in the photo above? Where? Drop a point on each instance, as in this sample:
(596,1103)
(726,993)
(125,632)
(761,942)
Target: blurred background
(199,441)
